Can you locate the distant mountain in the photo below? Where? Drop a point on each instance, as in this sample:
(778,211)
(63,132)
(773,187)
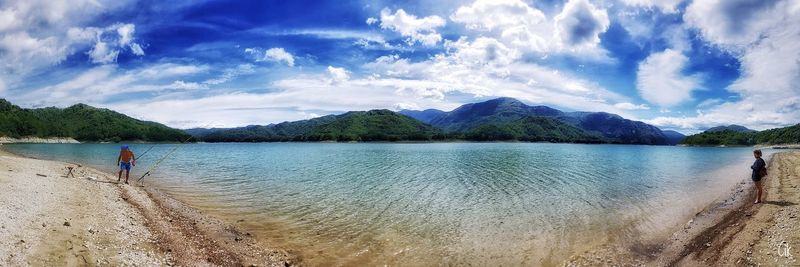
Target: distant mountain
(532,128)
(497,119)
(673,137)
(617,129)
(731,137)
(500,110)
(374,125)
(83,123)
(425,116)
(608,127)
(732,127)
(202,132)
(284,131)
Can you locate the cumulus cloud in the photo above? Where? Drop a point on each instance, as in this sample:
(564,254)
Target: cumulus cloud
(660,80)
(487,15)
(417,30)
(337,75)
(102,53)
(276,54)
(631,106)
(666,6)
(766,39)
(580,23)
(734,22)
(514,21)
(35,34)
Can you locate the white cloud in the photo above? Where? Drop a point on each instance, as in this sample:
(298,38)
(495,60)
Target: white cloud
(514,21)
(231,73)
(580,23)
(337,75)
(137,49)
(279,54)
(765,37)
(101,53)
(421,30)
(37,34)
(488,15)
(371,21)
(275,54)
(100,83)
(666,6)
(631,106)
(660,81)
(179,84)
(734,22)
(125,34)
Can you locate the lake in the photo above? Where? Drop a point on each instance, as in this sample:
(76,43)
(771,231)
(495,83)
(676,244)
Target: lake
(435,203)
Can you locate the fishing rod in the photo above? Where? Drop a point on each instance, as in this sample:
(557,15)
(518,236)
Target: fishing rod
(145,152)
(162,159)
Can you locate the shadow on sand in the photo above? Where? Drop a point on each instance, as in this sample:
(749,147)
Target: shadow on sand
(100,181)
(781,203)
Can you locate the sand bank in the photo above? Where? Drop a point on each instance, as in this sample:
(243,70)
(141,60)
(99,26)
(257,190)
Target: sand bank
(54,140)
(48,219)
(731,232)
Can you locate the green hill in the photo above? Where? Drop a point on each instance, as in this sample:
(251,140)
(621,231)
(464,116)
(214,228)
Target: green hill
(83,123)
(786,135)
(532,128)
(374,125)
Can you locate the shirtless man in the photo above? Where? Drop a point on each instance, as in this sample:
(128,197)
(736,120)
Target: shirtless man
(124,161)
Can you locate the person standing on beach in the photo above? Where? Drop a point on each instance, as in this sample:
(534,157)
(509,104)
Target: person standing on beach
(759,171)
(124,161)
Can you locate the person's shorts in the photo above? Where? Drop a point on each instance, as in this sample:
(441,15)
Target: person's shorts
(756,179)
(124,166)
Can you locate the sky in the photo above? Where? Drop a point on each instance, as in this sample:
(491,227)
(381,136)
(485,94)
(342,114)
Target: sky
(679,65)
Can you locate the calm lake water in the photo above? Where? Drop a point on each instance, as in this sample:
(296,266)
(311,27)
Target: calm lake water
(439,203)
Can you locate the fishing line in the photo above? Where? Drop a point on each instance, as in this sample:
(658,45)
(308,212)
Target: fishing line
(162,159)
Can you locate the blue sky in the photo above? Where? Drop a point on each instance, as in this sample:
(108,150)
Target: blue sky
(682,65)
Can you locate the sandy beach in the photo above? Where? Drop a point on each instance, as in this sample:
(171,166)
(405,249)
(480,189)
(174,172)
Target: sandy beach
(48,219)
(89,219)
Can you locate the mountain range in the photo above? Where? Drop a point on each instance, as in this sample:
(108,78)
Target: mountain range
(604,127)
(493,120)
(732,127)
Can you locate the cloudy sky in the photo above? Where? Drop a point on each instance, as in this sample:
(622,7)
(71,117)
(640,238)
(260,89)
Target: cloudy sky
(683,65)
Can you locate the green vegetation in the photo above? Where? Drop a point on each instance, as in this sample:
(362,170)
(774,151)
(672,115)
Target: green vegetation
(374,125)
(281,132)
(784,135)
(532,128)
(83,123)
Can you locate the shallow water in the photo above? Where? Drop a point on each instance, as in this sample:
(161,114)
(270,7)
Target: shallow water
(437,203)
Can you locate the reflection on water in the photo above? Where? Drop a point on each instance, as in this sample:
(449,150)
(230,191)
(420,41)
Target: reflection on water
(443,203)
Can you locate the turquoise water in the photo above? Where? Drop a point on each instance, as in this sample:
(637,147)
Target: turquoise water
(439,203)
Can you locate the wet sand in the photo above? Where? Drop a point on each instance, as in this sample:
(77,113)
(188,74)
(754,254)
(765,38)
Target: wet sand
(731,232)
(48,219)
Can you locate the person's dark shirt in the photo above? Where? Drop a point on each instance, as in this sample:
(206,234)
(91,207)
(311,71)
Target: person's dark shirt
(757,166)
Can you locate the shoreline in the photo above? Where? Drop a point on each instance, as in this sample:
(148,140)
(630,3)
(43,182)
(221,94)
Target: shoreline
(89,219)
(729,231)
(732,231)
